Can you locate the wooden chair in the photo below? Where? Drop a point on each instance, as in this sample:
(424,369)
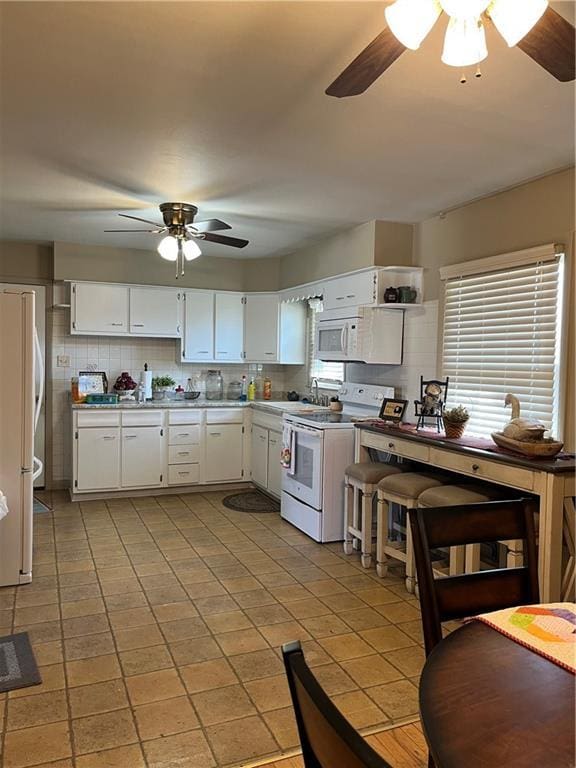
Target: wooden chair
(327,738)
(456,597)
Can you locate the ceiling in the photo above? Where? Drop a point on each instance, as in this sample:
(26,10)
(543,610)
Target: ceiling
(118,106)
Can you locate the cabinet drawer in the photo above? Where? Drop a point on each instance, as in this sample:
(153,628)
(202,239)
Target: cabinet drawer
(142,419)
(486,470)
(183,454)
(398,447)
(185,435)
(183,474)
(224,415)
(98,419)
(185,416)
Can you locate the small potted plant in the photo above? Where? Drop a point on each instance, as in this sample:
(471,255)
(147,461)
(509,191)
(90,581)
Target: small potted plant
(455,420)
(161,385)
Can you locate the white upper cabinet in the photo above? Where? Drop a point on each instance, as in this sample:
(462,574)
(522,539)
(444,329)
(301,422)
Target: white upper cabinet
(229,327)
(99,308)
(198,338)
(356,289)
(155,312)
(261,328)
(292,333)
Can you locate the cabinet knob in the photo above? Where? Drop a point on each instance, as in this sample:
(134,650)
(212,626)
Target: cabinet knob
(390,445)
(475,467)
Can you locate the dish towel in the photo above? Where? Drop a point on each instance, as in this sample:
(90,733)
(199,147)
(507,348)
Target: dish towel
(3,506)
(287,454)
(547,629)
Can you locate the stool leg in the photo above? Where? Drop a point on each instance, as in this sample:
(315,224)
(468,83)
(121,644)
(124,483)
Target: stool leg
(382,512)
(472,558)
(348,507)
(457,559)
(515,557)
(367,499)
(356,518)
(410,573)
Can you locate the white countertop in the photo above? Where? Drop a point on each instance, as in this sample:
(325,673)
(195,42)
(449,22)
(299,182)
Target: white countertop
(274,406)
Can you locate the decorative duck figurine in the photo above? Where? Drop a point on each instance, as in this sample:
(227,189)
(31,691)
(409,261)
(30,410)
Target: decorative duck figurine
(524,430)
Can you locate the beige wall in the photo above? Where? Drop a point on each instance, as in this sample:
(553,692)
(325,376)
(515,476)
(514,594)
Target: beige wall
(23,262)
(376,242)
(536,213)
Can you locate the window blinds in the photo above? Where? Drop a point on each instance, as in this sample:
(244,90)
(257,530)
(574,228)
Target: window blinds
(502,334)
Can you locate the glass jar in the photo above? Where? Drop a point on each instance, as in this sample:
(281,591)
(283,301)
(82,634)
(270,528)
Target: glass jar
(214,385)
(234,390)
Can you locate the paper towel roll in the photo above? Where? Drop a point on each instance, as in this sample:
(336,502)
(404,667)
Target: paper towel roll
(146,380)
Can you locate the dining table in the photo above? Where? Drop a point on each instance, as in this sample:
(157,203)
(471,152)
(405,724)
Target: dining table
(487,701)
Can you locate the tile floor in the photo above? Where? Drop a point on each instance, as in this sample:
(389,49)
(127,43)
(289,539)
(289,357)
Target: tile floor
(157,623)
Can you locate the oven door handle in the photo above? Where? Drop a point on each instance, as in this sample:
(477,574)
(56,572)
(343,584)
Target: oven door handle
(308,430)
(344,338)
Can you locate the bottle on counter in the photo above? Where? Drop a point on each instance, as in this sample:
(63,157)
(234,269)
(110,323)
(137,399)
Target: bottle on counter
(252,390)
(267,389)
(244,389)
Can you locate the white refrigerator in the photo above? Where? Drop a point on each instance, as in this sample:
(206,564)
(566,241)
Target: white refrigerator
(19,409)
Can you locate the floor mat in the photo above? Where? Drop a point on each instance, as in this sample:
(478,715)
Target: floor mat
(17,663)
(251,501)
(39,506)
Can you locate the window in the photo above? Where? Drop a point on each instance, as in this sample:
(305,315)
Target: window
(502,329)
(329,375)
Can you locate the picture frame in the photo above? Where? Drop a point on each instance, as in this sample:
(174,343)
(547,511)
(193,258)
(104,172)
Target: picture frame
(92,382)
(392,409)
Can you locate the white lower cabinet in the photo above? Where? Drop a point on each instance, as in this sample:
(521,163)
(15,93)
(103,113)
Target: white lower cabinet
(260,455)
(97,459)
(142,457)
(274,467)
(224,453)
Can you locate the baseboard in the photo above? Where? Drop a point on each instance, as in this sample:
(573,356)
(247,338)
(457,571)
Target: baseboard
(174,490)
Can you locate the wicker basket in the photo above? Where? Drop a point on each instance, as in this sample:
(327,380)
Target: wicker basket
(454,429)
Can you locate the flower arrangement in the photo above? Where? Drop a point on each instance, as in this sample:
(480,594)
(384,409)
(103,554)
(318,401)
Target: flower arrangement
(455,420)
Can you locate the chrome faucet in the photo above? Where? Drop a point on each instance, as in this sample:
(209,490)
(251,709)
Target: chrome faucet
(316,395)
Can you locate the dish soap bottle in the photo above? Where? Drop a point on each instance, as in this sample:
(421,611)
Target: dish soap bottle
(244,389)
(251,390)
(267,393)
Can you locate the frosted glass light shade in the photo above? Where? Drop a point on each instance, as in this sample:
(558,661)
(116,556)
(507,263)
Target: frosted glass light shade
(411,20)
(515,18)
(168,248)
(463,9)
(191,250)
(465,42)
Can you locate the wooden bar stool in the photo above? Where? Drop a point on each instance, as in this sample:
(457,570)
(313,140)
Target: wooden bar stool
(360,481)
(461,559)
(403,489)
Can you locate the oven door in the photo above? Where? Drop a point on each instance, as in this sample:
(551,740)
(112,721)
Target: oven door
(304,480)
(332,340)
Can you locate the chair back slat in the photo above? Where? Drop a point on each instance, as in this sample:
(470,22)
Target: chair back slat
(327,738)
(473,593)
(454,597)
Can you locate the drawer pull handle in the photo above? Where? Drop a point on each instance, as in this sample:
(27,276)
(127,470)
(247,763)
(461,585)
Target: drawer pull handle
(390,445)
(475,467)
(138,325)
(215,434)
(130,437)
(202,352)
(116,324)
(183,473)
(109,437)
(184,434)
(183,453)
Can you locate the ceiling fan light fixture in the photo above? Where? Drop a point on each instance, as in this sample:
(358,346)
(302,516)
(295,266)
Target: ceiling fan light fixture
(464,9)
(191,250)
(168,248)
(465,42)
(411,20)
(515,19)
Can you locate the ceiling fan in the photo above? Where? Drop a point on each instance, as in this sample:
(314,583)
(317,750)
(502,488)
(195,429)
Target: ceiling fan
(532,25)
(180,243)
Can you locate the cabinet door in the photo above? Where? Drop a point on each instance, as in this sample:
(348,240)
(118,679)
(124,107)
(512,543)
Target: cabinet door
(155,312)
(98,459)
(292,335)
(350,290)
(274,468)
(198,340)
(223,452)
(99,308)
(142,455)
(260,456)
(261,328)
(229,324)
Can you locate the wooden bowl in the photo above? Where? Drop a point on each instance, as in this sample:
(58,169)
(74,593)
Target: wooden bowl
(538,450)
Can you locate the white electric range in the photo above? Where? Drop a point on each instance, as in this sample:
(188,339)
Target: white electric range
(322,447)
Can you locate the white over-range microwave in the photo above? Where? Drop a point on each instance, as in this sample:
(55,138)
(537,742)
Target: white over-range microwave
(361,335)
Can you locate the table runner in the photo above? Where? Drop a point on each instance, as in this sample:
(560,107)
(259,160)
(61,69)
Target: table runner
(548,629)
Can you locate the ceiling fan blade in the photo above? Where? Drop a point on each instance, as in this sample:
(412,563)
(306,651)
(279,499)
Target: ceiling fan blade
(551,44)
(137,218)
(235,242)
(210,225)
(367,66)
(154,231)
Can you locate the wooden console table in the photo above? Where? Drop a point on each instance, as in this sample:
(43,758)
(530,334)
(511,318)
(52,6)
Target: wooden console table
(552,480)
